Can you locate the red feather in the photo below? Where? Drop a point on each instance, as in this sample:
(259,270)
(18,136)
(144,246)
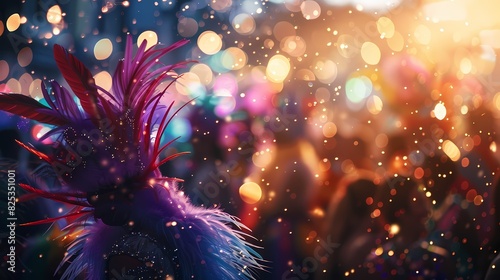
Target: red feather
(51,220)
(79,79)
(28,107)
(54,196)
(38,153)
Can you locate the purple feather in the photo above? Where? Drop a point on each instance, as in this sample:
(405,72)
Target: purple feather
(142,224)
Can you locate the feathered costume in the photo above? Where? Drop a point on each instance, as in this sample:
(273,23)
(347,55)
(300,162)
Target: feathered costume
(134,223)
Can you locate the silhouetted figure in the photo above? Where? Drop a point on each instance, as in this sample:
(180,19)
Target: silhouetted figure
(493,272)
(346,217)
(451,248)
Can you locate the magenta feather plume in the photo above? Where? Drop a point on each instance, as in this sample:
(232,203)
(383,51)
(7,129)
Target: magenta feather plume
(132,221)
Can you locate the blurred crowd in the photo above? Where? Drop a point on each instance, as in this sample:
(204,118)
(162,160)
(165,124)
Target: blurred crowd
(404,207)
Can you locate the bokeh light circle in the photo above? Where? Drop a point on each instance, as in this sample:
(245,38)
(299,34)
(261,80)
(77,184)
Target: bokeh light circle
(385,27)
(250,192)
(14,85)
(325,71)
(54,14)
(358,88)
(293,45)
(451,150)
(209,42)
(329,129)
(244,24)
(370,53)
(221,5)
(13,22)
(374,104)
(347,45)
(225,106)
(396,42)
(291,5)
(187,27)
(25,56)
(35,89)
(310,9)
(496,99)
(104,80)
(305,75)
(283,29)
(422,34)
(4,70)
(150,36)
(186,84)
(234,58)
(25,81)
(439,111)
(204,73)
(103,49)
(278,68)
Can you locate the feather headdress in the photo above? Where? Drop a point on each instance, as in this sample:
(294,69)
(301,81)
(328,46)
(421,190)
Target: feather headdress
(108,156)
